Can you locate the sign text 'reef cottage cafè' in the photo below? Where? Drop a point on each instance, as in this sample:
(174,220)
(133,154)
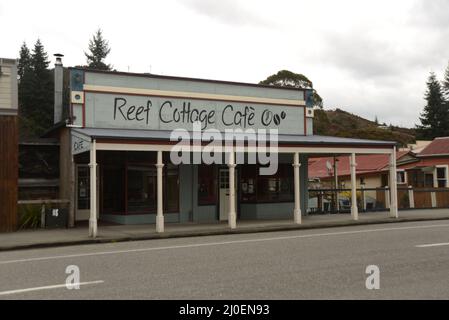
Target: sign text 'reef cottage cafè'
(158,113)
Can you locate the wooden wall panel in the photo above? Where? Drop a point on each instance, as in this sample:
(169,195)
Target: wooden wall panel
(8,173)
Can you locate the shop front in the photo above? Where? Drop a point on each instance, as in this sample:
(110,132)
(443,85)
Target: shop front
(158,149)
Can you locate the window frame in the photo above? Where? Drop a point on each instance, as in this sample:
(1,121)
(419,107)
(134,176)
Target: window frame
(446,174)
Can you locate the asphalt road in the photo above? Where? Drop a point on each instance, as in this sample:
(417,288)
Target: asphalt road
(306,264)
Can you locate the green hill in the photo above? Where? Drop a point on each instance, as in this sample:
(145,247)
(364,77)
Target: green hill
(340,123)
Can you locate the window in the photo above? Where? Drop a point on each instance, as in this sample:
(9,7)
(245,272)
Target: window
(278,187)
(207,185)
(401,177)
(113,186)
(384,180)
(142,189)
(442,177)
(248,183)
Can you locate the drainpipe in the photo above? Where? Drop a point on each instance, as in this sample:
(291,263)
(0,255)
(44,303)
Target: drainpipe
(58,82)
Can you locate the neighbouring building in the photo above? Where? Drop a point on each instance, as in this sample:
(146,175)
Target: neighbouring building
(8,144)
(115,146)
(422,175)
(372,171)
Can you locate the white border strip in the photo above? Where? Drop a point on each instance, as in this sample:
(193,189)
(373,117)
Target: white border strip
(168,147)
(192,95)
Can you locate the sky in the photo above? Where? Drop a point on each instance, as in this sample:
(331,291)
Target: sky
(371,58)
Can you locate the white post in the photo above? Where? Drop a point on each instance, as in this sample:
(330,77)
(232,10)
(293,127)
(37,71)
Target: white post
(433,198)
(393,185)
(93,190)
(160,214)
(232,214)
(411,197)
(337,202)
(387,197)
(363,195)
(297,209)
(354,209)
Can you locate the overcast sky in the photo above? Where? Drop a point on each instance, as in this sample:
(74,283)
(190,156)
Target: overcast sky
(367,57)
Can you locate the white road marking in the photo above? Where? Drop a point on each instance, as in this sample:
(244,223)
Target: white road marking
(208,244)
(57,286)
(432,245)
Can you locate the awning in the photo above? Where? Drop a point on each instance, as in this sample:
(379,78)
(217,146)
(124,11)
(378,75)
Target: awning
(164,136)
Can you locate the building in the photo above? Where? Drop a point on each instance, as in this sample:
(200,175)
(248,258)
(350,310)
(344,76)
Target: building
(8,144)
(372,171)
(116,161)
(431,166)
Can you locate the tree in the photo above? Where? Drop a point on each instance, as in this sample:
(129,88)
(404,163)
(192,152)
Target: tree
(446,84)
(35,91)
(435,116)
(376,120)
(25,83)
(43,89)
(24,64)
(285,78)
(99,50)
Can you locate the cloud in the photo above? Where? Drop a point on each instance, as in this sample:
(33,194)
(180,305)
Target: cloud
(230,12)
(431,14)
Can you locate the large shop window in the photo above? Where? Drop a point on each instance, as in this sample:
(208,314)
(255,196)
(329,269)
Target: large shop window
(275,188)
(278,187)
(132,188)
(142,188)
(113,186)
(207,185)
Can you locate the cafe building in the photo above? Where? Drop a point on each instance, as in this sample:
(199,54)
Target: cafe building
(117,150)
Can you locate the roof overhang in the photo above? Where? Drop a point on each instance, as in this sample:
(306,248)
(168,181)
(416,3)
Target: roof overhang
(145,140)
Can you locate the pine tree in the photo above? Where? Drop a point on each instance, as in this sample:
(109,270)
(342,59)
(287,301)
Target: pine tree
(24,64)
(36,91)
(43,89)
(25,72)
(25,86)
(99,49)
(446,84)
(435,116)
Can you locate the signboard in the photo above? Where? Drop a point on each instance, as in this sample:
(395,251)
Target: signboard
(107,110)
(80,143)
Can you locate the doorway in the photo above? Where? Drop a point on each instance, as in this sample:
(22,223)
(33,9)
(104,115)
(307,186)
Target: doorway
(223,185)
(82,190)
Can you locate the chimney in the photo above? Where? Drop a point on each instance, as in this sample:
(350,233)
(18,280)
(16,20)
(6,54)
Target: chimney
(58,88)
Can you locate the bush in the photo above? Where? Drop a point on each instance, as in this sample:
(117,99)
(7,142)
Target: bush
(29,216)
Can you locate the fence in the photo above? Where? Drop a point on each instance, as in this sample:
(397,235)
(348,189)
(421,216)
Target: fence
(376,199)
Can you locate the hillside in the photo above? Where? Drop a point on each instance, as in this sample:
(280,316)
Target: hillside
(344,124)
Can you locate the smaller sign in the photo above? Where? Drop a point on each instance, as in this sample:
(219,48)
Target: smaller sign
(80,143)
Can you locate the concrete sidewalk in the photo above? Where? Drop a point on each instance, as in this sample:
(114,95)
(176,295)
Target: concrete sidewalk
(113,233)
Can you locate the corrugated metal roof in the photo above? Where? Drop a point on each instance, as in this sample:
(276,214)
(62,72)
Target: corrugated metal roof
(439,146)
(164,135)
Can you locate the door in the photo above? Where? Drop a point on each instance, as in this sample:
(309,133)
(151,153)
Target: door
(224,193)
(223,183)
(82,192)
(82,204)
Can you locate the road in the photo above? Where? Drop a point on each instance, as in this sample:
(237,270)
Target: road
(413,259)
